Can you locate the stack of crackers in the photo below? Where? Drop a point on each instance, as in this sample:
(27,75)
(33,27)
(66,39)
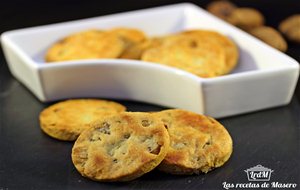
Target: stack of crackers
(201,52)
(115,145)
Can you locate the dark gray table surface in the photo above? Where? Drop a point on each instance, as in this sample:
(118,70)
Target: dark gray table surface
(31,160)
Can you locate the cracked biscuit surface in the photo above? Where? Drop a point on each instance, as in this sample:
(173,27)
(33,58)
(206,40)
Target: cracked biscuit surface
(121,148)
(67,119)
(197,143)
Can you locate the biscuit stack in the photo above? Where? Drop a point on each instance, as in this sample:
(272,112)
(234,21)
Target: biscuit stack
(200,52)
(121,146)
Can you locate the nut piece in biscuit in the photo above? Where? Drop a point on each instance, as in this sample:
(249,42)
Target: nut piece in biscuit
(246,18)
(90,44)
(290,27)
(203,58)
(221,9)
(121,148)
(197,143)
(270,36)
(66,120)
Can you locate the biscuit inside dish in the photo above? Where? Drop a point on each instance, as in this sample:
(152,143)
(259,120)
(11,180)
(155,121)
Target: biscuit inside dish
(229,47)
(203,53)
(201,57)
(132,38)
(130,34)
(90,44)
(197,143)
(136,50)
(66,120)
(121,148)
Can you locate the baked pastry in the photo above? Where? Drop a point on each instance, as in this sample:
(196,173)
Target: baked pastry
(66,120)
(201,57)
(136,50)
(121,148)
(132,39)
(198,143)
(129,34)
(200,52)
(230,48)
(90,44)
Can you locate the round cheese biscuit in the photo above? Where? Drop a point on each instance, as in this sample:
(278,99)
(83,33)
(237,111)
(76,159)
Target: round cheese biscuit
(90,44)
(200,57)
(136,50)
(133,38)
(130,34)
(197,143)
(121,148)
(230,48)
(66,120)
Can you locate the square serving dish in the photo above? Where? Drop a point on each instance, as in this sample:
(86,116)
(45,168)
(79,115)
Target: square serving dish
(264,77)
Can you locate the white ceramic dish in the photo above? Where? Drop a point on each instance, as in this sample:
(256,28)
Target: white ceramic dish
(264,77)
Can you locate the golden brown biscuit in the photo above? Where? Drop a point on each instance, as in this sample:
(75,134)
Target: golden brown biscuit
(133,38)
(121,148)
(66,120)
(136,50)
(90,44)
(197,143)
(221,9)
(246,18)
(130,34)
(231,50)
(133,51)
(270,36)
(290,27)
(202,58)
